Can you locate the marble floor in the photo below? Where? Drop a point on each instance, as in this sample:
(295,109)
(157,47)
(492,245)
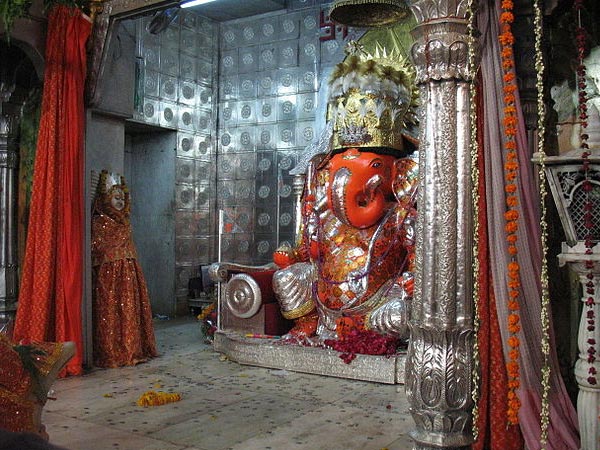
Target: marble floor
(224,405)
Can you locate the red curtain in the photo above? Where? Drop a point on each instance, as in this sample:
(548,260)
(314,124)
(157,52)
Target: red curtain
(494,433)
(51,278)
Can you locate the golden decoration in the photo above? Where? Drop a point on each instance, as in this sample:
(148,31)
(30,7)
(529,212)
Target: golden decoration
(372,98)
(369,13)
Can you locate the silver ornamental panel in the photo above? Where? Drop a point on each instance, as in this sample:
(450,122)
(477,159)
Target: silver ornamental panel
(185,196)
(287,53)
(267,29)
(287,108)
(248,86)
(249,33)
(184,170)
(266,137)
(168,87)
(187,92)
(168,114)
(229,62)
(185,145)
(187,67)
(247,139)
(226,192)
(308,52)
(169,38)
(248,60)
(246,112)
(266,110)
(150,111)
(267,84)
(228,112)
(287,81)
(187,118)
(305,133)
(286,135)
(203,120)
(204,147)
(229,36)
(151,83)
(169,61)
(246,169)
(188,42)
(289,26)
(205,194)
(244,218)
(204,71)
(267,57)
(244,192)
(203,171)
(226,165)
(151,55)
(309,23)
(307,80)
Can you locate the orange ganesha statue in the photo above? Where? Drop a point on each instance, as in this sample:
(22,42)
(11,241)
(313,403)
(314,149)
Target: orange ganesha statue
(351,265)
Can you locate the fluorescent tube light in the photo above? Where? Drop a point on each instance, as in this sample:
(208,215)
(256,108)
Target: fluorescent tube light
(191,3)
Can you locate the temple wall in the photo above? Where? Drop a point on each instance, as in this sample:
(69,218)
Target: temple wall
(240,99)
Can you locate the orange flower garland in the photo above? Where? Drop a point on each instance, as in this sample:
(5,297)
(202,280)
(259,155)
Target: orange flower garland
(511,168)
(152,398)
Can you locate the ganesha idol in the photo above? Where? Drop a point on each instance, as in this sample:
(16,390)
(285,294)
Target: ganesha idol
(351,265)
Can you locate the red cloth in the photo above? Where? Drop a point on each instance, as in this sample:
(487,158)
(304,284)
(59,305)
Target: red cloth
(494,432)
(51,282)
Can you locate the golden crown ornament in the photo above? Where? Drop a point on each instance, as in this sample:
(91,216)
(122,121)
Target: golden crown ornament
(372,98)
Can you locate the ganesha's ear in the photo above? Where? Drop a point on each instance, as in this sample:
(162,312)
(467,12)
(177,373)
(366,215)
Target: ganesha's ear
(406,180)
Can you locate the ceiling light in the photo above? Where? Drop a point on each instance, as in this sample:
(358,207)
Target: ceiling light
(190,3)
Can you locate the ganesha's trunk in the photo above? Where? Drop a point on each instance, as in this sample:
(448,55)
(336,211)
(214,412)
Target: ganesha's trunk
(355,202)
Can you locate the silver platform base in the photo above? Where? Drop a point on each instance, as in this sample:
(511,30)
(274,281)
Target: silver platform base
(273,354)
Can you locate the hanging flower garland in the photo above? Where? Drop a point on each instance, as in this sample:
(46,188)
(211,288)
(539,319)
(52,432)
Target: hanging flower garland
(544,294)
(476,378)
(580,41)
(511,167)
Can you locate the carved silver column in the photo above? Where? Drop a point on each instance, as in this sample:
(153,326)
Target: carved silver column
(439,378)
(8,196)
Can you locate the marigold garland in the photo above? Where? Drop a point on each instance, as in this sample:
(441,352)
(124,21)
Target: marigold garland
(580,41)
(511,167)
(152,398)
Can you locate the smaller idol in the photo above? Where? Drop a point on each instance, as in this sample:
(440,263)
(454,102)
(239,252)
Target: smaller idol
(122,318)
(351,267)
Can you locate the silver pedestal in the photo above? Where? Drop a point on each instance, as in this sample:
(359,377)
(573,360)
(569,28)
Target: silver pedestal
(274,354)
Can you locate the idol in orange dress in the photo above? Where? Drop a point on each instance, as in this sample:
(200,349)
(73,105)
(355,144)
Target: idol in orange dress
(123,330)
(27,370)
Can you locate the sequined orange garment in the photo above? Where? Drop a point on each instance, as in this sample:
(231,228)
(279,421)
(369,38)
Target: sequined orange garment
(123,330)
(348,252)
(18,404)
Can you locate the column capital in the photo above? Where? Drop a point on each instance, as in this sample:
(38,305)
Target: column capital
(440,50)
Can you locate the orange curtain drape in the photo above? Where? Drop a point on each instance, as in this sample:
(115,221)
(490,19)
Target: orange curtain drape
(51,279)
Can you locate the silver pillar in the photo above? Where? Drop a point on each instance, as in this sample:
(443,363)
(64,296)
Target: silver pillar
(439,366)
(9,155)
